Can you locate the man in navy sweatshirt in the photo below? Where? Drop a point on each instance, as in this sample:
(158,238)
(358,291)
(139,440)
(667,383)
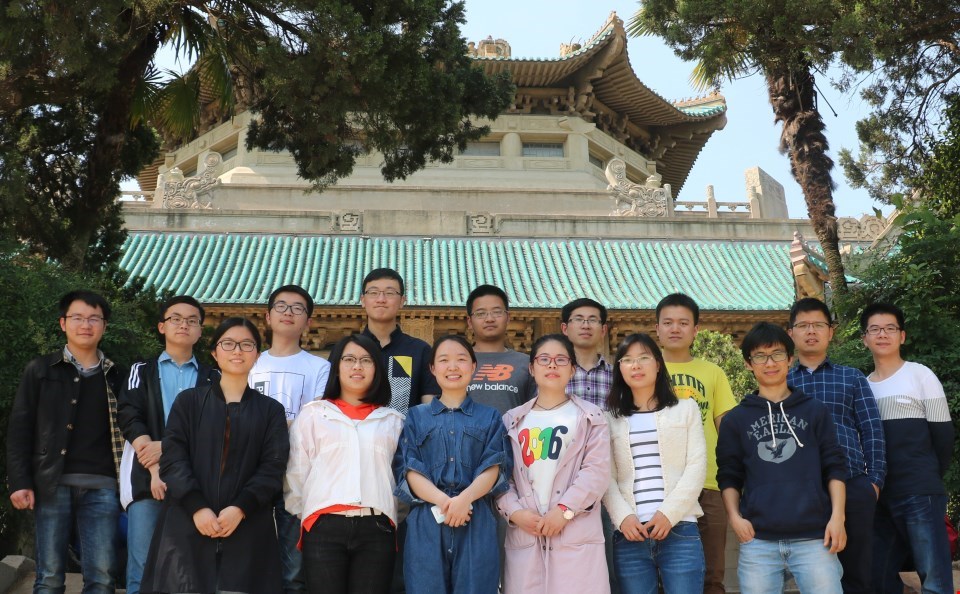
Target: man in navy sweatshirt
(781,473)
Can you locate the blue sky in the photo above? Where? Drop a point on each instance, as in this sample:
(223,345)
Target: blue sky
(536,28)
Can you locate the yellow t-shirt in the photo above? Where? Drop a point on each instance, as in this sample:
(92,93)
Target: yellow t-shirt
(706,383)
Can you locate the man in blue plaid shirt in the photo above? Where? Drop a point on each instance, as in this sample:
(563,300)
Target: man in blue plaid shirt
(859,430)
(584,322)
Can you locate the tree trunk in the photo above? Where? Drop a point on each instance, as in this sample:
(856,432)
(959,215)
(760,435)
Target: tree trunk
(793,98)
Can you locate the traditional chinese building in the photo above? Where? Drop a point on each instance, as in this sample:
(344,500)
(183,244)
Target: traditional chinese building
(570,195)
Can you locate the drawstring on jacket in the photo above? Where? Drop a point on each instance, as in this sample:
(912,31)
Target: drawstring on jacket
(785,420)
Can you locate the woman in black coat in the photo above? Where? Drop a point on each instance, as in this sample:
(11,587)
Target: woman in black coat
(224,455)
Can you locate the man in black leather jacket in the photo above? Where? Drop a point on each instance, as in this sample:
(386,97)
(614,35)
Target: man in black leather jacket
(64,447)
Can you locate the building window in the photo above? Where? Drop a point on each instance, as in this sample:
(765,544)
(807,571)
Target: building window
(596,162)
(543,149)
(482,149)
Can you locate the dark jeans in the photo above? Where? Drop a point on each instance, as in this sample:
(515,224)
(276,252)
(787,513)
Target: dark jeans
(912,526)
(857,557)
(349,555)
(288,534)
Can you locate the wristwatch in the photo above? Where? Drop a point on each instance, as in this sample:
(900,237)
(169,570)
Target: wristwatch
(567,512)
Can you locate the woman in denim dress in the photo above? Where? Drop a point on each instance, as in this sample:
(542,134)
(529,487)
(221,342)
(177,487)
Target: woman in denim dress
(452,462)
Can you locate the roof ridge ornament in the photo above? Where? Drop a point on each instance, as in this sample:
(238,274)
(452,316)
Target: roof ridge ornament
(649,200)
(181,192)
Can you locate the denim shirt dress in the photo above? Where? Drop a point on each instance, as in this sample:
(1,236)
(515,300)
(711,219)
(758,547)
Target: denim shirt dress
(451,447)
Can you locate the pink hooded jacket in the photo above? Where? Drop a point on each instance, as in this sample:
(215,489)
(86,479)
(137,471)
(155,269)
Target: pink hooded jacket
(575,560)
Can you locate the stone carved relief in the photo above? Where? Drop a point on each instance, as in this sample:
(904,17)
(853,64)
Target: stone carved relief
(480,224)
(635,200)
(868,228)
(349,222)
(181,192)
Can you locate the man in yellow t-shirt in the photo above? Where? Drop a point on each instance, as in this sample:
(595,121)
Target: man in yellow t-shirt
(678,318)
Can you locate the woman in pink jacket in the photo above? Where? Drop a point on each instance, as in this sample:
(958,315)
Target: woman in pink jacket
(561,450)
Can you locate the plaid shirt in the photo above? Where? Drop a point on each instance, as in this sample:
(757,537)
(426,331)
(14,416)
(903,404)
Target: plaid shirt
(593,385)
(859,428)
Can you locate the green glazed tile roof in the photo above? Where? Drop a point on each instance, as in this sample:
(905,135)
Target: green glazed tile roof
(540,274)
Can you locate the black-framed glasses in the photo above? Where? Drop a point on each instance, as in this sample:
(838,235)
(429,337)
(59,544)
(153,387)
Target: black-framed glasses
(376,293)
(296,309)
(246,346)
(546,360)
(775,356)
(878,330)
(180,320)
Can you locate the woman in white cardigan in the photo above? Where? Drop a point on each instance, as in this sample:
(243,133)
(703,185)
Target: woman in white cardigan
(340,477)
(658,465)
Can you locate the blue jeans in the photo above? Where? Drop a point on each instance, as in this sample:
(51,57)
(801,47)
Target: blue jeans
(911,526)
(677,560)
(141,520)
(763,562)
(291,561)
(94,512)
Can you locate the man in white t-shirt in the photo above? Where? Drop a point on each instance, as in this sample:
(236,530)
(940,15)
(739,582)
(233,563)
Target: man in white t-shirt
(293,377)
(919,438)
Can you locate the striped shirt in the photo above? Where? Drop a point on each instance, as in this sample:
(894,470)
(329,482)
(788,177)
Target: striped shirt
(647,471)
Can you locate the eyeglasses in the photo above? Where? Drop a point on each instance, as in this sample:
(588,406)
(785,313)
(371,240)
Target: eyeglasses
(79,320)
(496,314)
(296,309)
(351,361)
(878,330)
(247,346)
(376,293)
(775,356)
(641,360)
(582,321)
(816,326)
(180,320)
(546,360)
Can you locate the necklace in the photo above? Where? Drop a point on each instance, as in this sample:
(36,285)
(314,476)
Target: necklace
(541,407)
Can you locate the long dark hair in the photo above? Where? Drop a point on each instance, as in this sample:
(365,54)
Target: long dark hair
(620,400)
(379,392)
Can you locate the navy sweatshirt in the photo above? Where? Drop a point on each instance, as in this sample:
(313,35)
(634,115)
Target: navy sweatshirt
(783,485)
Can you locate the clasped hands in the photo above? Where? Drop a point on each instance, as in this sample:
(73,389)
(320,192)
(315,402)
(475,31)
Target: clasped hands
(218,526)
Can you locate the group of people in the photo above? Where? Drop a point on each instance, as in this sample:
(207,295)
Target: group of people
(469,467)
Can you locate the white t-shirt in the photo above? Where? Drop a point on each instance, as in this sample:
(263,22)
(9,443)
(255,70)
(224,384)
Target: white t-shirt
(544,435)
(292,381)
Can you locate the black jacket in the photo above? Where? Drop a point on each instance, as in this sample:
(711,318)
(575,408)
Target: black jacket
(198,476)
(43,415)
(140,412)
(781,457)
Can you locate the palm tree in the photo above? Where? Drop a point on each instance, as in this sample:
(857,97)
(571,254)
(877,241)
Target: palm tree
(726,49)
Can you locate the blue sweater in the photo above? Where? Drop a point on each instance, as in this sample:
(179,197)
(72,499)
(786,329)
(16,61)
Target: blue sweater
(781,456)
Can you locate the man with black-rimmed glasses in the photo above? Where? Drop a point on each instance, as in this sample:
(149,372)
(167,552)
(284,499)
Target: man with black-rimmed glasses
(847,394)
(293,377)
(64,448)
(919,436)
(142,409)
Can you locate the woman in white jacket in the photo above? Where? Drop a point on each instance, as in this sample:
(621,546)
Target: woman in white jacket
(658,465)
(339,478)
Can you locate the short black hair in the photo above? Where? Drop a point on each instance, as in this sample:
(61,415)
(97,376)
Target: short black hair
(582,302)
(808,304)
(379,392)
(765,334)
(881,308)
(89,297)
(562,339)
(185,299)
(382,273)
(233,323)
(291,289)
(484,291)
(452,338)
(679,300)
(620,400)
